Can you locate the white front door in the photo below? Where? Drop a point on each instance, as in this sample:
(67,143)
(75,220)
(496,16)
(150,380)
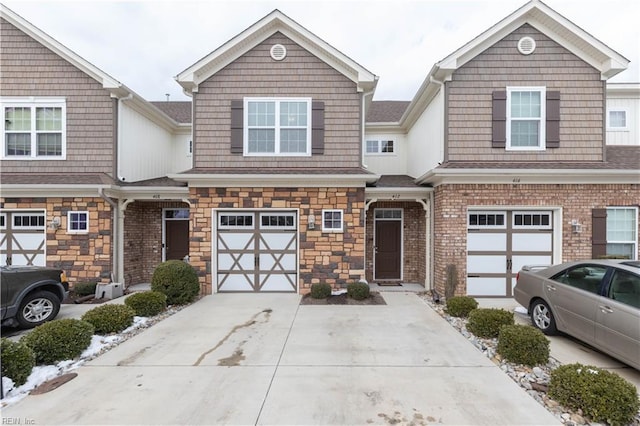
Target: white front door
(499,243)
(256,251)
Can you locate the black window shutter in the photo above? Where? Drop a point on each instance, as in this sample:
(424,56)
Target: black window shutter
(237,130)
(598,233)
(317,127)
(499,118)
(553,119)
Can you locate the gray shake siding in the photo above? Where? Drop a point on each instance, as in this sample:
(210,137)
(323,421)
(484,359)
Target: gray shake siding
(300,74)
(551,65)
(30,69)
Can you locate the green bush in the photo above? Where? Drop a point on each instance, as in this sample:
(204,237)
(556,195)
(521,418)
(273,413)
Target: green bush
(84,289)
(109,318)
(18,360)
(320,290)
(523,344)
(59,340)
(147,303)
(601,395)
(487,322)
(358,290)
(177,280)
(460,306)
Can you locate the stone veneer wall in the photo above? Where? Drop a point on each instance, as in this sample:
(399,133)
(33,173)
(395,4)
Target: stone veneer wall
(84,257)
(576,201)
(331,257)
(413,238)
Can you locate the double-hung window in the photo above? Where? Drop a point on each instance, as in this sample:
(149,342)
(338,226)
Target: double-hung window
(617,120)
(277,126)
(526,118)
(622,231)
(34,128)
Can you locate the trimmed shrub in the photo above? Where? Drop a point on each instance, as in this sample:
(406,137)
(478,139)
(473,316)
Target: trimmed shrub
(84,289)
(109,318)
(358,291)
(17,361)
(320,290)
(487,322)
(460,306)
(523,344)
(177,280)
(147,303)
(59,340)
(601,395)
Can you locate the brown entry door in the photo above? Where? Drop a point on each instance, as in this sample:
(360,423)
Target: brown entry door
(176,239)
(387,250)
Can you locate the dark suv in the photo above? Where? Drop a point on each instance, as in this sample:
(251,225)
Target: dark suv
(31,295)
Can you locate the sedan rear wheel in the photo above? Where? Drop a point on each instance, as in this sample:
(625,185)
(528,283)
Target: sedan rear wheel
(542,317)
(38,308)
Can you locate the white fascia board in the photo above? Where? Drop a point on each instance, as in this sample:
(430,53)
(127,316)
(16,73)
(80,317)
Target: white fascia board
(529,176)
(49,191)
(271,180)
(58,48)
(151,193)
(390,127)
(276,21)
(397,194)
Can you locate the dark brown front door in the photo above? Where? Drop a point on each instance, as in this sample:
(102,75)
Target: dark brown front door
(176,239)
(387,250)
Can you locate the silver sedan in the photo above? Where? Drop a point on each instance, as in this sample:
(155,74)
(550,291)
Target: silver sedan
(596,301)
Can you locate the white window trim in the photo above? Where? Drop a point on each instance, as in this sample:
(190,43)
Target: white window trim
(487,212)
(34,102)
(633,242)
(535,212)
(276,153)
(325,229)
(77,231)
(379,147)
(543,118)
(240,213)
(26,213)
(292,215)
(618,129)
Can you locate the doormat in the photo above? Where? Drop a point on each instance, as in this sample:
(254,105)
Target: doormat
(390,284)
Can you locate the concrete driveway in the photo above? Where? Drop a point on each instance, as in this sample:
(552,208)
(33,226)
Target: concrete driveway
(264,359)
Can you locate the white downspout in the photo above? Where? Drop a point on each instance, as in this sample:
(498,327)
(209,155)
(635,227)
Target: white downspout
(120,134)
(364,122)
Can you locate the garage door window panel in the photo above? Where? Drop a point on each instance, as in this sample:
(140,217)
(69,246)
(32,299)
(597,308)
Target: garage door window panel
(235,221)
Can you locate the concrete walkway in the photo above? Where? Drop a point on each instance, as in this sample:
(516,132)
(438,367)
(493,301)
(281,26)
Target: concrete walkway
(264,359)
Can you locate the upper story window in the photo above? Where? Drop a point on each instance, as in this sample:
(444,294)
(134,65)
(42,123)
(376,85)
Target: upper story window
(380,147)
(277,126)
(617,120)
(34,128)
(526,118)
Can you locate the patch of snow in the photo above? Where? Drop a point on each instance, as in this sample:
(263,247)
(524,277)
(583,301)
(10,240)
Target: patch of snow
(338,292)
(520,310)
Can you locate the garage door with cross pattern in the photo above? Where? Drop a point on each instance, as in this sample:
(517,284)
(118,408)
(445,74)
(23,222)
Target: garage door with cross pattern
(256,251)
(22,238)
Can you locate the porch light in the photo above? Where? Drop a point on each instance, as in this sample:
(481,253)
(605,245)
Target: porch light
(311,222)
(576,227)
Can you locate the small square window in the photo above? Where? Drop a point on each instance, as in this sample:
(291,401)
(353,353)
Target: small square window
(78,222)
(332,220)
(617,120)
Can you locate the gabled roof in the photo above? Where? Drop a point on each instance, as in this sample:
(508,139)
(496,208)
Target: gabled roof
(544,19)
(58,48)
(275,21)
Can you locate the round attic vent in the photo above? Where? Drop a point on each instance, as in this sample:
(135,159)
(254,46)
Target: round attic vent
(526,45)
(278,52)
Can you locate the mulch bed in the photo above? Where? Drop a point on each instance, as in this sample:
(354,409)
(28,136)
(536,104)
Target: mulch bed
(375,298)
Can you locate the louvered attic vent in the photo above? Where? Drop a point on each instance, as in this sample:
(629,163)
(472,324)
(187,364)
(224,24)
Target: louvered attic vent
(278,52)
(526,45)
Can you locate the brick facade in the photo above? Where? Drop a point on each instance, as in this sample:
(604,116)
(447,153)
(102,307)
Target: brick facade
(143,239)
(413,237)
(336,258)
(84,257)
(576,202)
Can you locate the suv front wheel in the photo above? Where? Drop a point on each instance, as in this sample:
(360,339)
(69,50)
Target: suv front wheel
(37,308)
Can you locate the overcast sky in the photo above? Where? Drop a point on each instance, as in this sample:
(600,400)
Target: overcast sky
(145,44)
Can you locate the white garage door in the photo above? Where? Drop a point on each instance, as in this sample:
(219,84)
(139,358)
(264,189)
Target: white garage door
(256,251)
(499,243)
(22,238)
